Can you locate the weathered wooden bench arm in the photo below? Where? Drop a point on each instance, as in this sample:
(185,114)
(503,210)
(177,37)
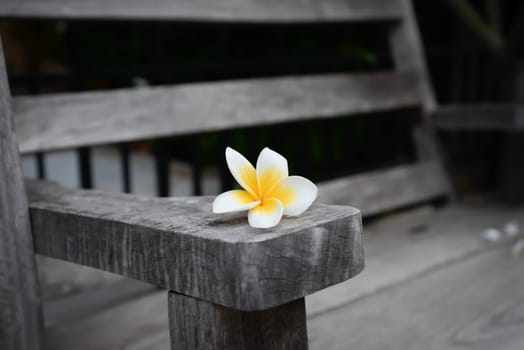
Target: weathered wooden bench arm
(206,260)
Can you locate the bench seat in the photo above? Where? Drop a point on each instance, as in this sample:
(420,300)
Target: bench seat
(178,244)
(413,260)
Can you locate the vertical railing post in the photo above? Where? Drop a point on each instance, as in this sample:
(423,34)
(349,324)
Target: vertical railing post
(126,167)
(162,167)
(86,169)
(196,165)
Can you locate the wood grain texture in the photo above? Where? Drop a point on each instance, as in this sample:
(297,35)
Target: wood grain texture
(197,324)
(178,244)
(399,249)
(93,301)
(475,303)
(384,190)
(478,117)
(139,324)
(408,53)
(20,313)
(59,279)
(406,246)
(206,10)
(408,56)
(71,120)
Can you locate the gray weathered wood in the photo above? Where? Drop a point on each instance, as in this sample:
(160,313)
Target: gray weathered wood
(206,10)
(20,314)
(60,279)
(426,150)
(408,56)
(197,324)
(180,245)
(72,120)
(138,324)
(408,53)
(92,301)
(473,303)
(384,190)
(487,116)
(399,249)
(402,247)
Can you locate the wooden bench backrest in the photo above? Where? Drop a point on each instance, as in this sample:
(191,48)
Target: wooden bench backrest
(52,122)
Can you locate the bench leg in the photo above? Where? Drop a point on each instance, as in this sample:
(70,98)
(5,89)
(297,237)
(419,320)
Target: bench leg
(197,324)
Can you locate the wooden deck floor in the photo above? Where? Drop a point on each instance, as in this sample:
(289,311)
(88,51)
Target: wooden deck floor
(431,282)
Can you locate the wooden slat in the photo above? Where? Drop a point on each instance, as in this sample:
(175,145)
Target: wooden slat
(178,244)
(72,120)
(92,301)
(401,247)
(385,190)
(60,279)
(140,324)
(20,312)
(491,116)
(206,10)
(408,53)
(474,303)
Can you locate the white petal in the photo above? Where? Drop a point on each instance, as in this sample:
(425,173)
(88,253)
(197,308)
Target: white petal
(296,194)
(266,215)
(271,169)
(242,170)
(235,200)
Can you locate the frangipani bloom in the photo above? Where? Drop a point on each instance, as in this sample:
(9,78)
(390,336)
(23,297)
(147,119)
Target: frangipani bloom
(268,192)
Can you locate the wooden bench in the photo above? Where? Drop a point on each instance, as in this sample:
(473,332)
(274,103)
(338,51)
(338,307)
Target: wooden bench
(229,286)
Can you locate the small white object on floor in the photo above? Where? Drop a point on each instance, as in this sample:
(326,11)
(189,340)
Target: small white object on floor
(492,234)
(518,248)
(511,229)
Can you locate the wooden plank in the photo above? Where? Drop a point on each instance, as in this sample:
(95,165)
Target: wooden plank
(478,117)
(402,248)
(197,324)
(408,56)
(388,189)
(90,118)
(140,324)
(80,305)
(59,279)
(20,313)
(475,303)
(206,10)
(426,149)
(408,53)
(178,244)
(398,250)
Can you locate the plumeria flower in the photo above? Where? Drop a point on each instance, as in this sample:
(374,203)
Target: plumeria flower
(268,192)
